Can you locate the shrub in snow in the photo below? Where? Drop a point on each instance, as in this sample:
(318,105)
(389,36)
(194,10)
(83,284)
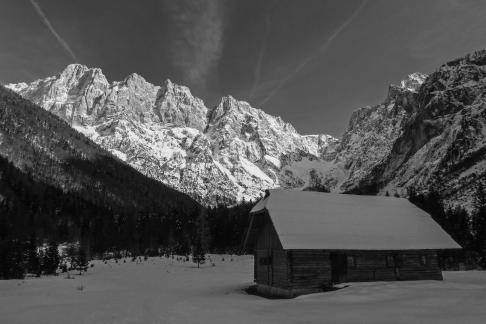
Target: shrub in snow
(201,242)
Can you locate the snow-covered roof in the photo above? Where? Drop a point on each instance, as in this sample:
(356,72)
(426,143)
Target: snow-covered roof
(315,220)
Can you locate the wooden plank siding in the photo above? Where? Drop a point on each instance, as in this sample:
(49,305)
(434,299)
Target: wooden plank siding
(267,237)
(304,271)
(407,265)
(271,262)
(309,269)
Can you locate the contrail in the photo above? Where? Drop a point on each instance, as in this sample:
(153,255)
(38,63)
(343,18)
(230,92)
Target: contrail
(197,43)
(46,21)
(258,67)
(322,49)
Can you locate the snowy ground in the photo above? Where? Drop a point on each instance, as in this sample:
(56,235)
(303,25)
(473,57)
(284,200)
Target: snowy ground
(167,291)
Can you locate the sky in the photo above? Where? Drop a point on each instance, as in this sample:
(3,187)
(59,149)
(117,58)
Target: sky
(311,62)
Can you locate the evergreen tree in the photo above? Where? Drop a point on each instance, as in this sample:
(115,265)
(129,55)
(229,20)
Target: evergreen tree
(459,226)
(82,261)
(201,240)
(71,256)
(479,225)
(32,257)
(11,259)
(78,257)
(51,258)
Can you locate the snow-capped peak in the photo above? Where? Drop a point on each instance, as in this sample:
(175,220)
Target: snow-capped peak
(413,82)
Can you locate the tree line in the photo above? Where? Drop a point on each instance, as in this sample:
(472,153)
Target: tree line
(466,228)
(35,214)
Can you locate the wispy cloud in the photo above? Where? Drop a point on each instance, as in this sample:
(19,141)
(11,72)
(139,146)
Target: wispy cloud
(320,50)
(53,31)
(261,53)
(197,43)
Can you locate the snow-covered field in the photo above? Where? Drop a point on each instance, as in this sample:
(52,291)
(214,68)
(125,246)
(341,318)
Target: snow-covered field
(168,291)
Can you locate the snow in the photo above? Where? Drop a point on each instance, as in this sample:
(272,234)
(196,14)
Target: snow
(273,160)
(168,291)
(314,220)
(122,156)
(478,168)
(254,170)
(88,131)
(17,87)
(225,171)
(301,170)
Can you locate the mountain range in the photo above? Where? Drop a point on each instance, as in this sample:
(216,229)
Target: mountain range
(428,134)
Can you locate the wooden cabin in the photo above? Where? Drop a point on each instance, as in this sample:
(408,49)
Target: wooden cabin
(306,241)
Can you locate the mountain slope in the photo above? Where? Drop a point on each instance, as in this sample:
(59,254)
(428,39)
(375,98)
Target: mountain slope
(369,137)
(49,150)
(443,146)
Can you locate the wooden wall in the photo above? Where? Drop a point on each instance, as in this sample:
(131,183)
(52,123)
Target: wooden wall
(407,265)
(271,263)
(309,269)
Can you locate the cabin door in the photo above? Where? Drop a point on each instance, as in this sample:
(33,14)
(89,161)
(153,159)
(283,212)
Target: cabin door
(338,267)
(270,267)
(397,263)
(264,268)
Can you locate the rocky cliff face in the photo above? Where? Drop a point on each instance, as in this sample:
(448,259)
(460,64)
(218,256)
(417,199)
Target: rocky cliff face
(225,154)
(442,147)
(372,131)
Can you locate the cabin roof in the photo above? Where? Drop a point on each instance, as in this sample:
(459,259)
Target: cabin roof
(315,220)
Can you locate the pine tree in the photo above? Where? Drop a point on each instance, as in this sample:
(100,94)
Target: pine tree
(12,264)
(81,258)
(459,226)
(32,256)
(51,258)
(71,257)
(201,242)
(479,224)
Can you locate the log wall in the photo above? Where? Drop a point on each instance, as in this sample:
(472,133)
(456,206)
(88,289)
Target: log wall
(271,262)
(406,265)
(309,269)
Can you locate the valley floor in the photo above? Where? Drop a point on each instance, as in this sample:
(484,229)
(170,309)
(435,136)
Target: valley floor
(163,290)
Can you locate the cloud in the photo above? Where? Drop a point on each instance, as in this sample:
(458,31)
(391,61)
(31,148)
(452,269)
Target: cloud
(197,41)
(53,31)
(261,53)
(320,50)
